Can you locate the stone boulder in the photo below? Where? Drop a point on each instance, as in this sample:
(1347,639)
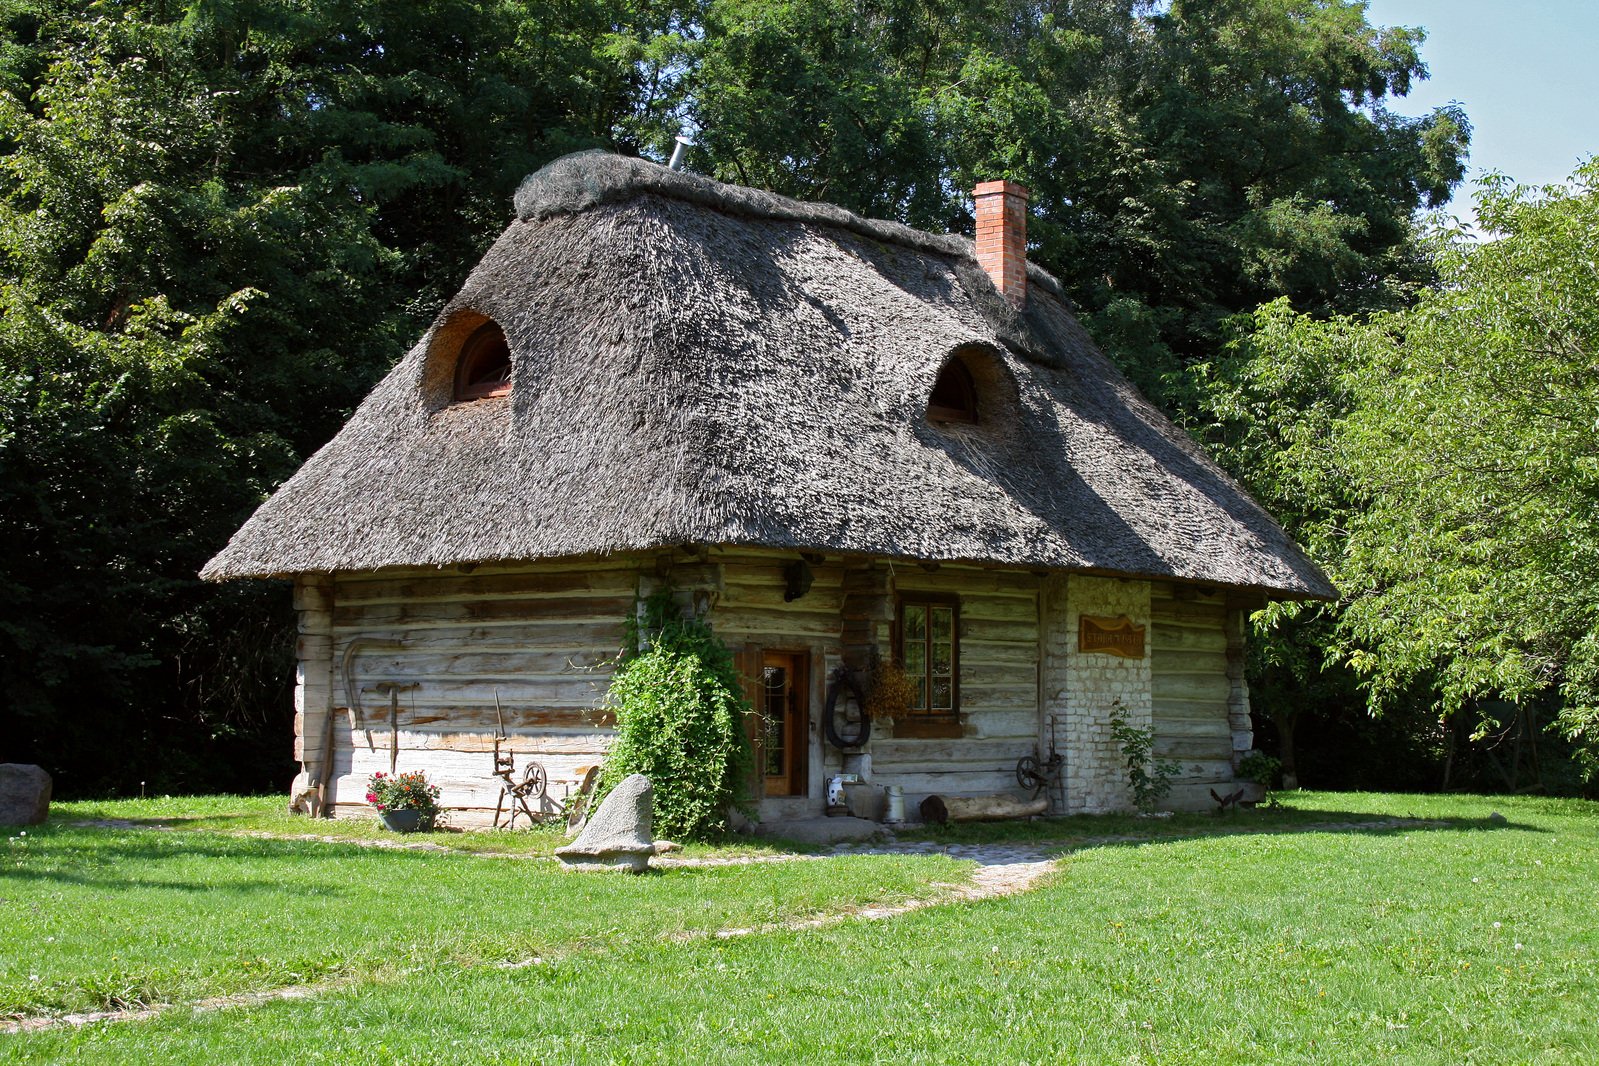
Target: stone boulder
(24,794)
(619,835)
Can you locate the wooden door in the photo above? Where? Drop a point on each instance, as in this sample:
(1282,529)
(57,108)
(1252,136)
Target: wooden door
(784,735)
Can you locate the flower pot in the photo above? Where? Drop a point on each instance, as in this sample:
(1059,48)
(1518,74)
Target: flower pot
(401,821)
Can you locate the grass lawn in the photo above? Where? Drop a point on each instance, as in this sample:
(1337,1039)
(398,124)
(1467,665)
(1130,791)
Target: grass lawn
(95,918)
(1473,942)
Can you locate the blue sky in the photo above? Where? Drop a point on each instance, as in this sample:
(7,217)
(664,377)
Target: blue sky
(1527,73)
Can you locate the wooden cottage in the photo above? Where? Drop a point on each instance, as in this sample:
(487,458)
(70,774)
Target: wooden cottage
(841,439)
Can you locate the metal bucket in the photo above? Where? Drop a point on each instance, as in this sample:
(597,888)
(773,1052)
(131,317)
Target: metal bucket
(895,815)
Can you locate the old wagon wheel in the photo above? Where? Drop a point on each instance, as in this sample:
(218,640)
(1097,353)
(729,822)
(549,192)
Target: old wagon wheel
(1030,773)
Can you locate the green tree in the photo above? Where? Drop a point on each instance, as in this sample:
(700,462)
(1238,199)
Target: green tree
(220,222)
(1187,161)
(1443,460)
(680,721)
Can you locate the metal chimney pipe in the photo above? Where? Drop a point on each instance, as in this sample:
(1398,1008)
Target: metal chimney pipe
(683,145)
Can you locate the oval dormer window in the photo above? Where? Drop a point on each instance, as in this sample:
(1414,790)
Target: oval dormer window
(954,397)
(484,368)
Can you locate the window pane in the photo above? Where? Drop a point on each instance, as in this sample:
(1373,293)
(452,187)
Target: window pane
(915,661)
(942,618)
(943,656)
(775,680)
(942,694)
(915,622)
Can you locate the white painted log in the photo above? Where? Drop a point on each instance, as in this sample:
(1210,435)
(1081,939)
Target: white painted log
(1023,610)
(800,623)
(313,687)
(967,580)
(1167,591)
(911,749)
(549,635)
(980,630)
(976,673)
(1210,687)
(1020,723)
(820,598)
(978,701)
(467,661)
(1215,727)
(1174,710)
(1204,663)
(1189,749)
(956,781)
(1178,613)
(520,610)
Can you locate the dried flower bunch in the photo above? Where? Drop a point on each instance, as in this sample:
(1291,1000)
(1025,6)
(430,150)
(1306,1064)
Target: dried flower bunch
(891,691)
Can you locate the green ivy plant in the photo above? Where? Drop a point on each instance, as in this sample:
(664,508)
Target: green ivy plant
(1149,777)
(680,713)
(1262,769)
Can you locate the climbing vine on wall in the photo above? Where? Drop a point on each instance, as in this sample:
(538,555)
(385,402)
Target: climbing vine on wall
(680,708)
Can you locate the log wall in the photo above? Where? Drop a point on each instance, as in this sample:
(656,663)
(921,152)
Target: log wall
(1195,698)
(999,683)
(752,617)
(313,687)
(539,639)
(542,638)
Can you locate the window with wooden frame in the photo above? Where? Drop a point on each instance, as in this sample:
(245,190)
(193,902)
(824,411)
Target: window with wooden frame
(927,647)
(484,368)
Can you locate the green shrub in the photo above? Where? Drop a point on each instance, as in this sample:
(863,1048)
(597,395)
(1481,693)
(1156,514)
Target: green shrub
(680,708)
(1149,777)
(1260,768)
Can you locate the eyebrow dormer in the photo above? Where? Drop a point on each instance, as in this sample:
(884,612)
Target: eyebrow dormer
(483,368)
(954,395)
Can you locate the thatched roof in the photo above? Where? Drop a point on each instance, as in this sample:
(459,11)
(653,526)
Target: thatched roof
(697,363)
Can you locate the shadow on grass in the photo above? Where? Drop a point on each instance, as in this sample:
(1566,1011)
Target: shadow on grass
(80,821)
(91,858)
(1063,836)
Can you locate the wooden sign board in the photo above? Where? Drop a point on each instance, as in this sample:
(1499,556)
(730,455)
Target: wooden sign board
(1110,636)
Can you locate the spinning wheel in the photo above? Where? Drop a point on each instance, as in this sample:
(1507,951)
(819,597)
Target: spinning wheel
(531,786)
(518,793)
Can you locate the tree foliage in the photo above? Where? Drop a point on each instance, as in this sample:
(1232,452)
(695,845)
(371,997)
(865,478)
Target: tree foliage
(1444,460)
(1187,161)
(222,220)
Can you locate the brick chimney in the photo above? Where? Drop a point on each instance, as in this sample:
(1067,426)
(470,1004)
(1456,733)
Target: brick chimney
(1002,237)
